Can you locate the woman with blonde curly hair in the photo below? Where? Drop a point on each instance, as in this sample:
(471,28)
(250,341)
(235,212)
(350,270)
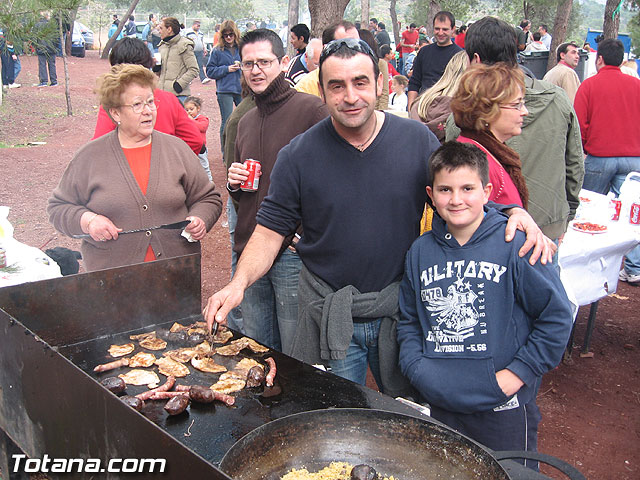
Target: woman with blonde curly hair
(224,68)
(133,178)
(489,108)
(432,106)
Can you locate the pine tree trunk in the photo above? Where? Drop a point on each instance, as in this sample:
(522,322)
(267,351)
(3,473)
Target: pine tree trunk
(292,18)
(527,9)
(610,25)
(325,13)
(559,30)
(394,21)
(364,15)
(63,42)
(69,35)
(434,7)
(112,40)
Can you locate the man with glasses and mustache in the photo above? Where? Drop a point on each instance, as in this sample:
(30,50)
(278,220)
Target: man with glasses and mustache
(360,205)
(270,305)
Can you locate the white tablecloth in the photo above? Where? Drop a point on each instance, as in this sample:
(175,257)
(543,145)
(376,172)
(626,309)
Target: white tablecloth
(31,264)
(590,262)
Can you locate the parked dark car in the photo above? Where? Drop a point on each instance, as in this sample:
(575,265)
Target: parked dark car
(78,46)
(87,34)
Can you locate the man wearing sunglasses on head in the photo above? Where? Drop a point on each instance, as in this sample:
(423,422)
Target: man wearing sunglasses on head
(360,205)
(270,306)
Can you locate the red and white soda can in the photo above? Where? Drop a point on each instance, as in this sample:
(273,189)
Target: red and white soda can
(617,206)
(252,182)
(634,214)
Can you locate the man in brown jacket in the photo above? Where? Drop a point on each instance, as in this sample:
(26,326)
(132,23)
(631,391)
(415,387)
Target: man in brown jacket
(270,305)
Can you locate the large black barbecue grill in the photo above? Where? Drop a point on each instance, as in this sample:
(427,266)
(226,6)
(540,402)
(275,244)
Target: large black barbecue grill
(54,332)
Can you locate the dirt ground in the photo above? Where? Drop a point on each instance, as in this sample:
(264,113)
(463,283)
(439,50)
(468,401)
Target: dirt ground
(590,405)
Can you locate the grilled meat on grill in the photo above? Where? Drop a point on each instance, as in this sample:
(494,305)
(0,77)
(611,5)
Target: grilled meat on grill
(206,364)
(123,362)
(256,376)
(168,385)
(271,376)
(121,350)
(177,404)
(140,377)
(153,343)
(142,359)
(114,384)
(133,402)
(229,382)
(167,366)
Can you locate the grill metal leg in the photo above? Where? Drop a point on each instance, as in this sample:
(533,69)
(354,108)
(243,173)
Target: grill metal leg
(590,325)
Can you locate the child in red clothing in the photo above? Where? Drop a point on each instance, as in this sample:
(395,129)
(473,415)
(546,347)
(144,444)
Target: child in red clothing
(389,57)
(193,105)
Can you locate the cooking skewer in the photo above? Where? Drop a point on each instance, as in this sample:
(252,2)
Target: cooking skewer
(169,226)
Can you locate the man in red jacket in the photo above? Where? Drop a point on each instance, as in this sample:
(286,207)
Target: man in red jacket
(608,104)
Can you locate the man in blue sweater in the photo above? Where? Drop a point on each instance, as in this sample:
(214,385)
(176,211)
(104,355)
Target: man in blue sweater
(360,205)
(432,59)
(479,324)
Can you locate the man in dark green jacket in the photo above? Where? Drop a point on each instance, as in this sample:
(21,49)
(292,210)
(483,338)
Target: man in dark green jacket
(550,146)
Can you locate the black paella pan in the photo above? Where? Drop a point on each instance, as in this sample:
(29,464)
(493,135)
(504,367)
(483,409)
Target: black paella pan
(406,447)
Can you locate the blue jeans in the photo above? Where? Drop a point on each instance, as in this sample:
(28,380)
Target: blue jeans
(226,102)
(234,319)
(8,68)
(631,259)
(201,64)
(17,68)
(204,161)
(362,350)
(400,66)
(270,306)
(600,172)
(182,98)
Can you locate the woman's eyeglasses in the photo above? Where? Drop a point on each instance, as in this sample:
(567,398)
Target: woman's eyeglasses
(514,106)
(229,35)
(138,107)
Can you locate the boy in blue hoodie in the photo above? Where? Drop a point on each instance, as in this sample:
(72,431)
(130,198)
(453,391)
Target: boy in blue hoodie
(479,324)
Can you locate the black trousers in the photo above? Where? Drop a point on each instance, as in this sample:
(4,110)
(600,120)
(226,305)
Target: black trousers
(44,62)
(512,429)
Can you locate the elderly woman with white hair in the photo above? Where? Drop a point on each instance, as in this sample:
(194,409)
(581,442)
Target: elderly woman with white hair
(133,178)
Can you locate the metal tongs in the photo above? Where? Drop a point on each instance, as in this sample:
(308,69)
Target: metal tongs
(211,336)
(166,226)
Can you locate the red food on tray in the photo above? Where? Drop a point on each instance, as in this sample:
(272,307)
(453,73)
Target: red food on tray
(589,227)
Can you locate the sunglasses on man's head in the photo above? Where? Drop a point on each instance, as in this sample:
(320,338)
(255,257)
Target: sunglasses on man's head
(354,44)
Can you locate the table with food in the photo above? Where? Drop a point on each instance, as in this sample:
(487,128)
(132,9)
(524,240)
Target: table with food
(591,253)
(593,247)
